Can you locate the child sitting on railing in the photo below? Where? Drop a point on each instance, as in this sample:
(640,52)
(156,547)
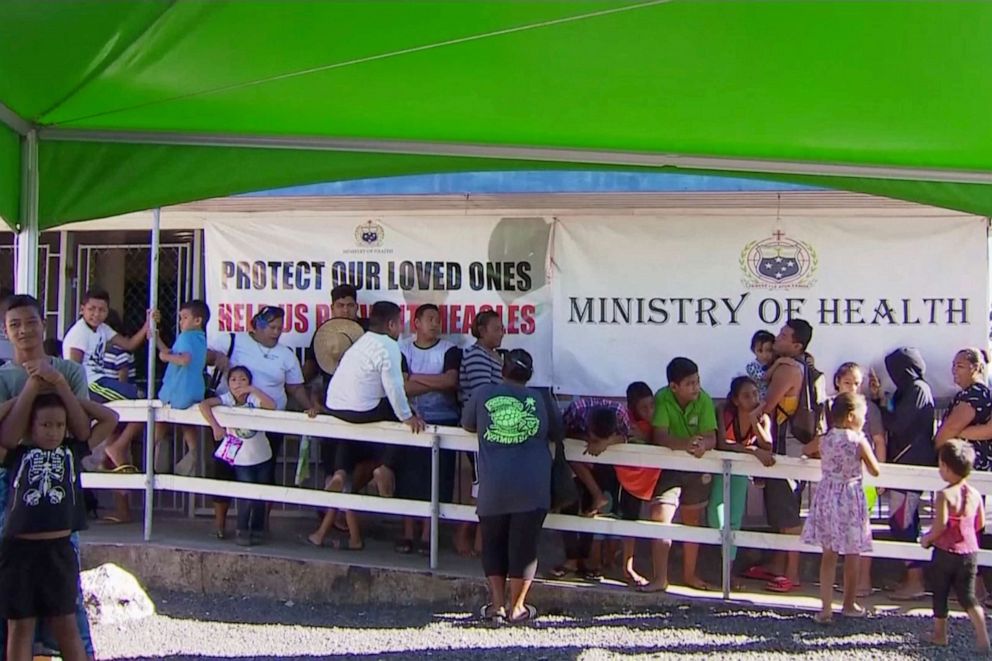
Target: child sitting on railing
(248,451)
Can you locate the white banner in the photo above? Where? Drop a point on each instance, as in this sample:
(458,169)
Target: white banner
(463,265)
(633,292)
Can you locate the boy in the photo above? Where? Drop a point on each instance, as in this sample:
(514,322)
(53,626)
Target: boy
(761,346)
(183,385)
(958,520)
(432,386)
(684,419)
(86,343)
(637,483)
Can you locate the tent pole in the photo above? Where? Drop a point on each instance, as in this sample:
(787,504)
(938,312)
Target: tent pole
(522,153)
(26,272)
(152,361)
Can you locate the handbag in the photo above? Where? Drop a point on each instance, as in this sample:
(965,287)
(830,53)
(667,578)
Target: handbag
(228,448)
(564,492)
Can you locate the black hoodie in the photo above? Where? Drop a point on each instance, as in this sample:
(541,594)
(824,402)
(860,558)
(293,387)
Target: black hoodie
(910,421)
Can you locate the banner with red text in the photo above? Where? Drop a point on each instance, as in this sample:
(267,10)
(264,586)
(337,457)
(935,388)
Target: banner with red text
(633,292)
(462,265)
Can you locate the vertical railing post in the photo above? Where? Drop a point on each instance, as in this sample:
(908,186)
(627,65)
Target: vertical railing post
(152,361)
(435,495)
(726,533)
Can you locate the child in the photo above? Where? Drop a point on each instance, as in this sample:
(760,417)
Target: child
(252,453)
(183,385)
(838,518)
(684,420)
(958,517)
(86,343)
(637,484)
(742,434)
(848,378)
(761,346)
(38,565)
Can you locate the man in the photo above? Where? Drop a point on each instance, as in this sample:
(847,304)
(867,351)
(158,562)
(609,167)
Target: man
(369,386)
(25,326)
(432,386)
(782,497)
(344,305)
(685,420)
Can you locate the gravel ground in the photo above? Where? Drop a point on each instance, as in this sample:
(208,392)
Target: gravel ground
(199,627)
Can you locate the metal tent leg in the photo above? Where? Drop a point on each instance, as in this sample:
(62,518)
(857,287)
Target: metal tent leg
(152,361)
(26,273)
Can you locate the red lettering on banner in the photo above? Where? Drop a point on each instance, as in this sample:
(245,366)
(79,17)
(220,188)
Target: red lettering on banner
(511,319)
(323,314)
(301,313)
(527,314)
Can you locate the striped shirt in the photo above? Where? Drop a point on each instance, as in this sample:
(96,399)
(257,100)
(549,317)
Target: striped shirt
(479,368)
(114,360)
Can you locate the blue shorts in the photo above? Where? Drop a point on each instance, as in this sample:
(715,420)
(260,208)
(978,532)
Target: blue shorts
(105,390)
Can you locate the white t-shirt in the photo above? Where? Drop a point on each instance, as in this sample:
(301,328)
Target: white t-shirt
(272,369)
(255,448)
(370,370)
(93,344)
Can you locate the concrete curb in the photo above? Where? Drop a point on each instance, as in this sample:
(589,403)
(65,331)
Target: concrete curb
(321,581)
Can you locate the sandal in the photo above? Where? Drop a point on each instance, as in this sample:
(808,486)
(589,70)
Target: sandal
(562,571)
(488,612)
(422,548)
(404,546)
(590,574)
(758,573)
(529,614)
(220,534)
(782,585)
(345,545)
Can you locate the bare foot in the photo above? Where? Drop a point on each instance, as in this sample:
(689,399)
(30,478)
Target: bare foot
(315,539)
(934,639)
(385,481)
(697,583)
(463,546)
(654,587)
(635,579)
(823,618)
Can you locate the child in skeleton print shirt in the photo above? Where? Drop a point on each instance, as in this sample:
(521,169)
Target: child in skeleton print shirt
(39,573)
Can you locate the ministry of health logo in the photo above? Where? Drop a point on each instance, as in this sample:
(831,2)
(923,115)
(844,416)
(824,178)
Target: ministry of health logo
(370,234)
(778,262)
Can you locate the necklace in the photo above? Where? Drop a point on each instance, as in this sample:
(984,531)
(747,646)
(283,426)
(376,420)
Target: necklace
(265,351)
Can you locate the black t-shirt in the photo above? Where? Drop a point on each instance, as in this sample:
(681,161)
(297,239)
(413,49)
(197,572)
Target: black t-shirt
(45,493)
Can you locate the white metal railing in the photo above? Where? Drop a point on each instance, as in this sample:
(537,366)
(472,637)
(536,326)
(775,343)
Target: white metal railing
(909,478)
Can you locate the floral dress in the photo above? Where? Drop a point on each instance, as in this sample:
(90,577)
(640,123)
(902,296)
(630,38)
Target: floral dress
(838,518)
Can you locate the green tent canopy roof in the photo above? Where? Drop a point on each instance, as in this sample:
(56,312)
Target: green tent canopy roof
(141,104)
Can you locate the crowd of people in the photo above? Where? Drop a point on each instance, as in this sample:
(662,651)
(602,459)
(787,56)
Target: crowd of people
(51,416)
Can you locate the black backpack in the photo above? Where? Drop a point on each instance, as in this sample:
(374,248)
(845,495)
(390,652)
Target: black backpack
(810,419)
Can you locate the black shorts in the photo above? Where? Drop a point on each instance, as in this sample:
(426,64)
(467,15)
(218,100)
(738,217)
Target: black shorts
(220,470)
(782,501)
(683,488)
(629,506)
(38,578)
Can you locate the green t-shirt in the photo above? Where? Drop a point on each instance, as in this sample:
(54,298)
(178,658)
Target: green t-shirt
(697,419)
(13,377)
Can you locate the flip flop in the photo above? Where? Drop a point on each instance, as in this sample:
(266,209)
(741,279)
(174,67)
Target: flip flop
(590,574)
(782,585)
(561,571)
(647,589)
(422,548)
(637,584)
(114,520)
(918,596)
(758,573)
(530,614)
(344,545)
(404,546)
(124,469)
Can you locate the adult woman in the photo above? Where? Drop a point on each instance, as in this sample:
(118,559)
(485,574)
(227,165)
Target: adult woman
(276,372)
(514,427)
(971,410)
(482,365)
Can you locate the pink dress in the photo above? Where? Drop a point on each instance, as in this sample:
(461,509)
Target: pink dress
(838,518)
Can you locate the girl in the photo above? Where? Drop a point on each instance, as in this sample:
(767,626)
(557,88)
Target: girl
(742,434)
(848,378)
(838,518)
(959,515)
(251,450)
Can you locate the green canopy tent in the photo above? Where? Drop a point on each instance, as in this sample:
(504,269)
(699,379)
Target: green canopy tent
(132,105)
(108,107)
